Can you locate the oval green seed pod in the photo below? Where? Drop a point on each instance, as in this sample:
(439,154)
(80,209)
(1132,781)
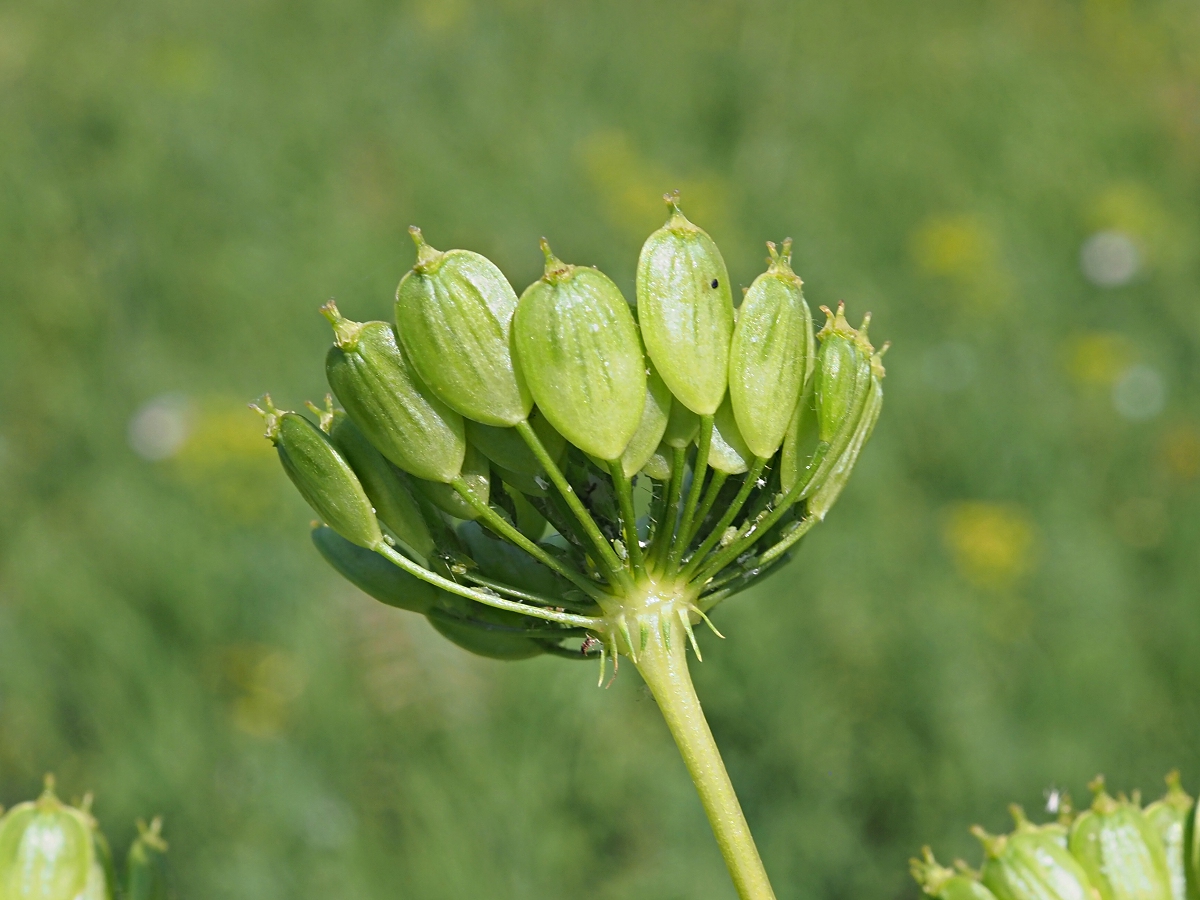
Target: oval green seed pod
(800,441)
(374,575)
(323,477)
(1121,852)
(145,869)
(771,354)
(655,414)
(46,850)
(475,472)
(683,426)
(1191,852)
(1031,866)
(508,450)
(842,375)
(578,348)
(387,401)
(1168,817)
(394,505)
(505,562)
(729,452)
(486,631)
(102,877)
(947,884)
(833,474)
(685,310)
(659,466)
(454,315)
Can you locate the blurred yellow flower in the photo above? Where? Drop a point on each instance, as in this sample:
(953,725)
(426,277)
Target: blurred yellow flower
(962,249)
(991,543)
(631,188)
(1098,357)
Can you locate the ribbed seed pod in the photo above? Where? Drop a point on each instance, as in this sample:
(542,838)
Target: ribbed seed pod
(947,884)
(501,560)
(486,631)
(475,472)
(394,506)
(387,401)
(833,475)
(46,850)
(1120,850)
(374,575)
(685,310)
(508,450)
(454,314)
(653,425)
(728,452)
(1031,865)
(683,426)
(658,466)
(1168,817)
(145,874)
(323,477)
(843,374)
(771,355)
(578,348)
(799,441)
(1191,852)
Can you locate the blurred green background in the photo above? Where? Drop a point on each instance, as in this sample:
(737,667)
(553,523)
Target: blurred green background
(1006,597)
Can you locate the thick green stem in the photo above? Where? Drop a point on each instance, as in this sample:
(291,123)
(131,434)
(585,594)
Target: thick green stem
(663,664)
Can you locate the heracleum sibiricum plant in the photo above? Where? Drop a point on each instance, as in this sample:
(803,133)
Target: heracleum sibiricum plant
(1115,850)
(566,472)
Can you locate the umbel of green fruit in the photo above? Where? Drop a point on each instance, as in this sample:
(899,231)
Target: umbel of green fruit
(52,851)
(1115,850)
(559,472)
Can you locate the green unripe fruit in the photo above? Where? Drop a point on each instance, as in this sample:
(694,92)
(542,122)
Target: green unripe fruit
(659,466)
(145,873)
(578,348)
(843,374)
(947,884)
(454,314)
(835,472)
(387,401)
(728,452)
(1031,865)
(1168,817)
(655,414)
(501,560)
(394,504)
(46,850)
(683,426)
(508,450)
(771,355)
(798,442)
(1191,853)
(475,472)
(374,575)
(685,311)
(486,631)
(1119,849)
(323,477)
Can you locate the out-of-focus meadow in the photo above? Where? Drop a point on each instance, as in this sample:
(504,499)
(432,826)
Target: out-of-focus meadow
(1007,596)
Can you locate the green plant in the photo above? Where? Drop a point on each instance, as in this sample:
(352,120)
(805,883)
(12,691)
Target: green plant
(564,472)
(1113,851)
(52,851)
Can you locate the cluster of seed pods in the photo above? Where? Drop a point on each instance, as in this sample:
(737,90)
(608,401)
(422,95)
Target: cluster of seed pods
(52,851)
(1115,850)
(517,468)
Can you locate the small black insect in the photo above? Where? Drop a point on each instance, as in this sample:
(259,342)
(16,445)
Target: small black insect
(715,283)
(588,643)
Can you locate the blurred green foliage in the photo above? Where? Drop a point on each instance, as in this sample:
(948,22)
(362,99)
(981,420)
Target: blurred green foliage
(1005,598)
